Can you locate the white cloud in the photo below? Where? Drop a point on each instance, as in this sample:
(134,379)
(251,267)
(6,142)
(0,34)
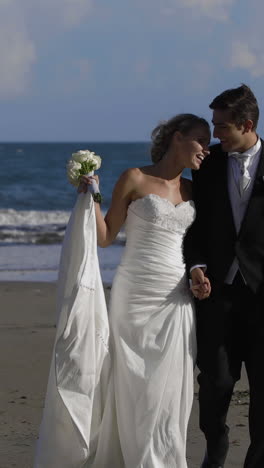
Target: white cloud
(21,27)
(57,13)
(248,58)
(247,45)
(74,77)
(201,75)
(74,11)
(17,51)
(208,4)
(218,10)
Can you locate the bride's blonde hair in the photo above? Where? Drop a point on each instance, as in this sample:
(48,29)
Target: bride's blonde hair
(162,135)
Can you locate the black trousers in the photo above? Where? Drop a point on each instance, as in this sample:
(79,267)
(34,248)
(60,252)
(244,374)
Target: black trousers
(230,330)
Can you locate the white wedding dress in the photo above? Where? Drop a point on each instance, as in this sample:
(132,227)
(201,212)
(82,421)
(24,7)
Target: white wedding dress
(134,413)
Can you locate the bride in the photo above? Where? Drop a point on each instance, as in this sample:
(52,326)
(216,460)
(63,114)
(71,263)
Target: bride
(132,411)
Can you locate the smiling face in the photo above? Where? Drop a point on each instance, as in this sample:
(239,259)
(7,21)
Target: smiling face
(232,137)
(194,146)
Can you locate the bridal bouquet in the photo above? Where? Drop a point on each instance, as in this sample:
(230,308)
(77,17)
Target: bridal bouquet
(84,162)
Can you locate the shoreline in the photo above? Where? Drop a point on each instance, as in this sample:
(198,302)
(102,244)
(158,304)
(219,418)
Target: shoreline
(40,262)
(27,327)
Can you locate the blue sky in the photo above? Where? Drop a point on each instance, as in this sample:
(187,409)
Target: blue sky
(98,70)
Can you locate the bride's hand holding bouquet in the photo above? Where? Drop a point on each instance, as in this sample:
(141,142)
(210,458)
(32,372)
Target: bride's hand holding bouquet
(86,181)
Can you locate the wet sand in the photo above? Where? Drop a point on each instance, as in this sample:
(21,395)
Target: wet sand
(26,339)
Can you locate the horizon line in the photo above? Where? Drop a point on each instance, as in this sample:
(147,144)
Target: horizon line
(73,141)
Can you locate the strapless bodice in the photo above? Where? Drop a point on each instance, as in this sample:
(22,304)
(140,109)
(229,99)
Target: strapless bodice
(161,212)
(155,229)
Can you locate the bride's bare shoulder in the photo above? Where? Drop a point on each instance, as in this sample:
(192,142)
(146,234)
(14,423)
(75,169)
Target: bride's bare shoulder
(144,170)
(135,173)
(130,180)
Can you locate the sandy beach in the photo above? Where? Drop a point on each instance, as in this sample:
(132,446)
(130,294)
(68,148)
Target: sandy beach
(27,334)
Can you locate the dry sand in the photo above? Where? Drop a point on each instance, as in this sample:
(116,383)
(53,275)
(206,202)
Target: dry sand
(27,335)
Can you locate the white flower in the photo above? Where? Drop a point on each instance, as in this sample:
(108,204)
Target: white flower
(98,161)
(81,156)
(90,155)
(74,165)
(73,172)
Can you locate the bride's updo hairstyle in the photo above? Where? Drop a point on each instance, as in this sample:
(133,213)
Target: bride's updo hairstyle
(162,135)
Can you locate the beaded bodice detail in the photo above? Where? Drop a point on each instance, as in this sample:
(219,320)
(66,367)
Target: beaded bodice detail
(162,212)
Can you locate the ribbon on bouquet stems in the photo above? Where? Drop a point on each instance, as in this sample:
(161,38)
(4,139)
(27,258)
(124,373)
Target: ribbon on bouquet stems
(93,188)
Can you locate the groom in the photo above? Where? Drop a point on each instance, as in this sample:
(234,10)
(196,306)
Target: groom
(226,245)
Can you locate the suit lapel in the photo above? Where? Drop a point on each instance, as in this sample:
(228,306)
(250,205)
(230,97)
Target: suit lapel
(225,193)
(260,170)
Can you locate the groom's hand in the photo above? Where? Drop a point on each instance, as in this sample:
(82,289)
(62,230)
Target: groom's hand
(201,287)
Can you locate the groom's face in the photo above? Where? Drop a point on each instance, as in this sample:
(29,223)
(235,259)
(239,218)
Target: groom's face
(232,138)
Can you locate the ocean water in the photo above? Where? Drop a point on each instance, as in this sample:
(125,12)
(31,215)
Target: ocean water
(36,201)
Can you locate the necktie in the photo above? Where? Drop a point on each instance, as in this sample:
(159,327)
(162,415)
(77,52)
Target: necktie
(243,159)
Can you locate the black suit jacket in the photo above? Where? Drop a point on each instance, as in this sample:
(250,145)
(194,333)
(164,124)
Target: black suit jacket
(212,239)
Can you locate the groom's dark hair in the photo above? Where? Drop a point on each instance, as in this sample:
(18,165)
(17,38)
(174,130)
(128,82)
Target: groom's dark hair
(241,103)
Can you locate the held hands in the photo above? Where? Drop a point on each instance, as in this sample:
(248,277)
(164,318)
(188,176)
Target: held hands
(201,287)
(85,182)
